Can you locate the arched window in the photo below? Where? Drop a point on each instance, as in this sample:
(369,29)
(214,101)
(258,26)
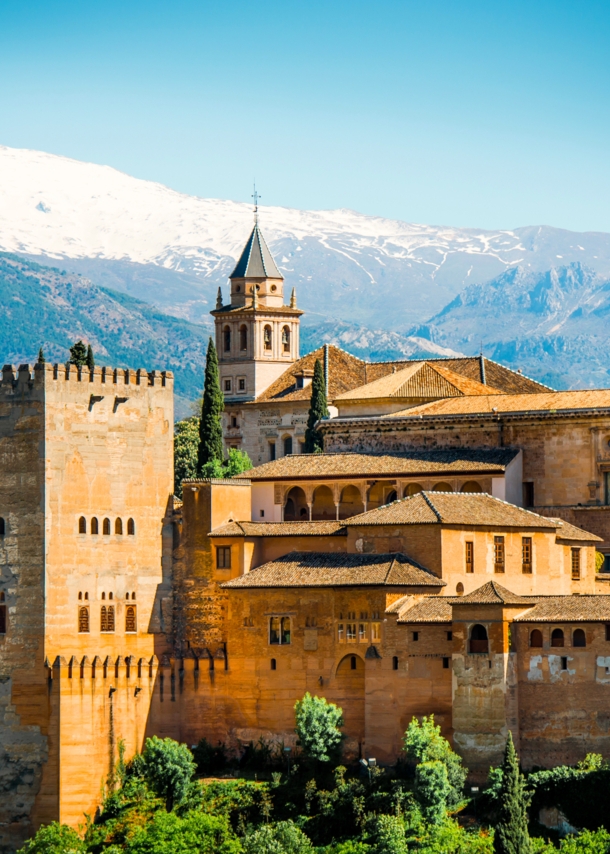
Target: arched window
(350,503)
(243,338)
(471,486)
(285,339)
(267,338)
(579,638)
(131,527)
(130,618)
(536,639)
(287,445)
(478,639)
(557,637)
(104,619)
(106,527)
(110,618)
(118,526)
(82,525)
(413,489)
(459,588)
(296,507)
(226,339)
(391,496)
(83,620)
(95,528)
(273,664)
(3,620)
(80,594)
(133,595)
(443,486)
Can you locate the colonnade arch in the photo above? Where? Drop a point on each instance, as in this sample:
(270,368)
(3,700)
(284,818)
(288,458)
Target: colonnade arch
(350,502)
(295,505)
(323,505)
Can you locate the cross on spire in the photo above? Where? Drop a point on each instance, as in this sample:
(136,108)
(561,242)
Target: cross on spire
(256,197)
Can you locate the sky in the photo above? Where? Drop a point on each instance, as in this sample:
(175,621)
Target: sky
(479,114)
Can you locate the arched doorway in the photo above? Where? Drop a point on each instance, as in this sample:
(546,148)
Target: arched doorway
(323,508)
(350,503)
(479,641)
(295,506)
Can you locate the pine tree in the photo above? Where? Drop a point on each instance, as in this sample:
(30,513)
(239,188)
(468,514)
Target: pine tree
(90,359)
(41,358)
(210,427)
(318,409)
(78,354)
(511,835)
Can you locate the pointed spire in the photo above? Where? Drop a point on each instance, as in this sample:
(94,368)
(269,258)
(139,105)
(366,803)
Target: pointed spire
(219,299)
(256,261)
(293,298)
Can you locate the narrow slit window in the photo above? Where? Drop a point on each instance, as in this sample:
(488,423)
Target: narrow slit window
(131,528)
(106,527)
(353,664)
(95,528)
(82,525)
(3,616)
(118,526)
(395,662)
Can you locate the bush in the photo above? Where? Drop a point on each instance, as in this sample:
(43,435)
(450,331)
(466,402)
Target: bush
(432,790)
(54,838)
(196,833)
(387,835)
(281,838)
(168,768)
(317,726)
(209,759)
(424,743)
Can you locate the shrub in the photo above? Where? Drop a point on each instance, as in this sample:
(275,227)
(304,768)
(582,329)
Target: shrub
(197,832)
(423,742)
(281,838)
(432,790)
(54,838)
(168,768)
(387,835)
(317,726)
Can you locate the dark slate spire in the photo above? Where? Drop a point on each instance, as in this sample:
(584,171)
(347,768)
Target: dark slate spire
(256,260)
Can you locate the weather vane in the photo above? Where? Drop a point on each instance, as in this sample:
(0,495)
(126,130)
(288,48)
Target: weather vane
(256,197)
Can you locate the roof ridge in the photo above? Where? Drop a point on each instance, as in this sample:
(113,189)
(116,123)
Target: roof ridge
(431,505)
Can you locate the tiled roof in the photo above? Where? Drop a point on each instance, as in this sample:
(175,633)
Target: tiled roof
(315,569)
(256,261)
(491,593)
(550,609)
(281,529)
(431,609)
(567,531)
(450,460)
(555,401)
(346,372)
(452,508)
(419,380)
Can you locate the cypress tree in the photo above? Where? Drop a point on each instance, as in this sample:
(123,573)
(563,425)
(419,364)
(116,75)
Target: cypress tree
(318,409)
(90,359)
(78,354)
(41,358)
(511,835)
(210,426)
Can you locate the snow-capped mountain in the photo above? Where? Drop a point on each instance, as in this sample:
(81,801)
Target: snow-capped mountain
(174,250)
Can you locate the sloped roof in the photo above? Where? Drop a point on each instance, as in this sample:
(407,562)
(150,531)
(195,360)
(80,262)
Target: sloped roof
(579,609)
(431,609)
(281,529)
(317,569)
(567,531)
(256,261)
(452,508)
(420,379)
(491,593)
(438,462)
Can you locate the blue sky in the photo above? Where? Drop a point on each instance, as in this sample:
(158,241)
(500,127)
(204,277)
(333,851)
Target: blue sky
(481,114)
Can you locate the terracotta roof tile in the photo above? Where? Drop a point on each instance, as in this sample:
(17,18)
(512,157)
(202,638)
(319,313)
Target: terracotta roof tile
(431,609)
(567,531)
(315,569)
(450,460)
(452,508)
(419,380)
(491,593)
(281,529)
(554,609)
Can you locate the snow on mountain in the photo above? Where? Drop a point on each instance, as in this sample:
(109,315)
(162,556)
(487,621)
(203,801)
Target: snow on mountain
(174,250)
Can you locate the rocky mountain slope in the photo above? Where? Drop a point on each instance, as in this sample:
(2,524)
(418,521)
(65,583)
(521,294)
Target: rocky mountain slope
(552,325)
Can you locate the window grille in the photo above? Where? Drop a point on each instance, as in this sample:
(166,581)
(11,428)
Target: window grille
(83,620)
(130,618)
(499,554)
(575,564)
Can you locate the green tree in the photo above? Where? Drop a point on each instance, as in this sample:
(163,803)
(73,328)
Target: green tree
(210,427)
(281,838)
(168,767)
(237,462)
(318,725)
(186,443)
(41,358)
(387,835)
(54,838)
(511,836)
(432,790)
(195,833)
(423,742)
(90,359)
(318,409)
(78,354)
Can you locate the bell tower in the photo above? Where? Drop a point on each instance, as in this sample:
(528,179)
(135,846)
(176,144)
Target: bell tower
(257,336)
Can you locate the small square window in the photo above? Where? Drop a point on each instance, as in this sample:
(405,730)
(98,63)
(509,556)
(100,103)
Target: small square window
(449,636)
(241,384)
(262,512)
(227,385)
(223,557)
(445,663)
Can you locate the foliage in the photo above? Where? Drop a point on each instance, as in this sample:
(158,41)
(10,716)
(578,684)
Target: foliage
(318,725)
(587,842)
(54,838)
(237,462)
(581,792)
(210,759)
(318,409)
(186,443)
(196,833)
(241,802)
(423,742)
(387,835)
(281,838)
(210,427)
(511,835)
(78,354)
(90,361)
(432,790)
(168,768)
(600,560)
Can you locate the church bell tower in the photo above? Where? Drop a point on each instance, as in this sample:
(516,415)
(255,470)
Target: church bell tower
(257,336)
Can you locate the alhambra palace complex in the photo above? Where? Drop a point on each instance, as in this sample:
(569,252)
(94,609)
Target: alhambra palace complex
(440,557)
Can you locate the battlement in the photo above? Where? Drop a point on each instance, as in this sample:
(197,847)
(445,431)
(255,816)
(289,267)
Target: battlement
(132,668)
(31,377)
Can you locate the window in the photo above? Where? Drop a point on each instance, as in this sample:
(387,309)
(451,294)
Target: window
(564,662)
(131,527)
(106,527)
(3,620)
(242,384)
(351,632)
(557,637)
(526,555)
(243,338)
(279,630)
(287,445)
(82,525)
(110,617)
(83,620)
(272,451)
(375,632)
(353,665)
(226,338)
(395,662)
(340,632)
(285,339)
(579,638)
(445,663)
(104,619)
(449,636)
(528,493)
(575,564)
(95,529)
(478,639)
(362,633)
(536,639)
(228,385)
(118,526)
(130,618)
(234,421)
(469,556)
(608,631)
(415,636)
(498,554)
(223,557)
(2,527)
(273,664)
(267,338)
